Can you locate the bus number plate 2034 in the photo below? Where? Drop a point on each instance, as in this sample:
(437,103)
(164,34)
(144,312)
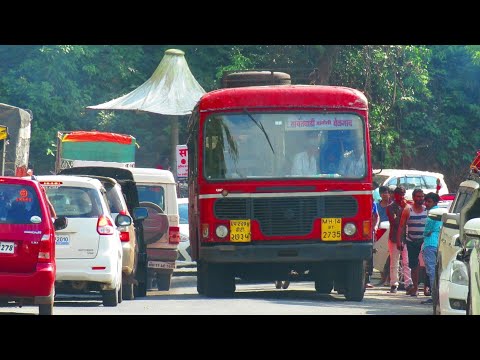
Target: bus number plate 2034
(240,231)
(331,229)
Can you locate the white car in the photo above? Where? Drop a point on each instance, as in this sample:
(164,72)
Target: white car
(88,251)
(184,259)
(453,289)
(410,179)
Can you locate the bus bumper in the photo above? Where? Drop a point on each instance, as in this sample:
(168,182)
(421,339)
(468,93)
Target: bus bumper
(286,253)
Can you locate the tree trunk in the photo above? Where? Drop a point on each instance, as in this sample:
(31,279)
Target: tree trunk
(321,74)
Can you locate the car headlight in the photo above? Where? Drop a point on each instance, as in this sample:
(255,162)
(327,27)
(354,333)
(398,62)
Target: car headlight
(459,273)
(349,229)
(183,237)
(221,231)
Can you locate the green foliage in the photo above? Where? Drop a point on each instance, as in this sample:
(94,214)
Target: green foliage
(423,100)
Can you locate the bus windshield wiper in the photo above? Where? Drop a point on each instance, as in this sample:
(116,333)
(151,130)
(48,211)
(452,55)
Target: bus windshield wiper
(260,125)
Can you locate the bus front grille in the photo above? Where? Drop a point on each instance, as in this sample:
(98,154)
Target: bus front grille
(288,215)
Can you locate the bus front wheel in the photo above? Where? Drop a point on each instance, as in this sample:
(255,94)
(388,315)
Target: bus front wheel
(355,281)
(218,281)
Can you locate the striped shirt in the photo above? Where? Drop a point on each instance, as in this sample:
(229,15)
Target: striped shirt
(416,225)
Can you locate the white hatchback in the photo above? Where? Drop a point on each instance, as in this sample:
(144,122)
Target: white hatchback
(411,179)
(184,258)
(88,251)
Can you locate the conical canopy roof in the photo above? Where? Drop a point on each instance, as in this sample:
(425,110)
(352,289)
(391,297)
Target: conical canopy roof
(171,90)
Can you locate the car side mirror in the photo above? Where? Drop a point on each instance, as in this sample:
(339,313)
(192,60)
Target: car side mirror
(458,241)
(451,216)
(123,220)
(437,213)
(60,223)
(140,213)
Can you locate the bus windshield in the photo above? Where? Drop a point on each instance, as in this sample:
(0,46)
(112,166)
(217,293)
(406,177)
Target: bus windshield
(284,145)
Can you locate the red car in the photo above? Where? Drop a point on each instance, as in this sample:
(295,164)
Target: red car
(27,244)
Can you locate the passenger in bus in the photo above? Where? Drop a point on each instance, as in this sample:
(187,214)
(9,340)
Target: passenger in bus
(305,162)
(353,162)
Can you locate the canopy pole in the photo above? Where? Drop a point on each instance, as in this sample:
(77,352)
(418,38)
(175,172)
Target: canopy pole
(174,140)
(4,153)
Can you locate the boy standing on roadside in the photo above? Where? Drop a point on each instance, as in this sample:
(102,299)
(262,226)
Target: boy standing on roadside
(430,242)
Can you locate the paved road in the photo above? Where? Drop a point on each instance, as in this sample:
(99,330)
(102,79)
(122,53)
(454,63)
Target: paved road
(249,299)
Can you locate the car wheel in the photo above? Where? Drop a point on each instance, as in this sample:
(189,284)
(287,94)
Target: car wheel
(469,304)
(128,291)
(45,309)
(435,293)
(140,290)
(469,310)
(120,293)
(110,297)
(163,282)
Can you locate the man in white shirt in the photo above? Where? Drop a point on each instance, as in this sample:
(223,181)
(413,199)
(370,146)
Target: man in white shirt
(353,163)
(305,162)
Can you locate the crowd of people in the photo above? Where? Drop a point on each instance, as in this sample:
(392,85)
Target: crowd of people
(412,234)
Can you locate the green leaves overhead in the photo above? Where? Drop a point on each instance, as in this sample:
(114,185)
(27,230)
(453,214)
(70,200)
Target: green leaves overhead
(424,100)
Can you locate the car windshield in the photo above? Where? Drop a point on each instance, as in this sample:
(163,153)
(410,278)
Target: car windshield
(152,193)
(183,213)
(281,145)
(72,201)
(113,198)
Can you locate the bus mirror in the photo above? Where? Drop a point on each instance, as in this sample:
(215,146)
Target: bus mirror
(379,155)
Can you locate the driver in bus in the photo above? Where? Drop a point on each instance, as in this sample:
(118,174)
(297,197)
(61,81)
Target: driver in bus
(353,162)
(305,162)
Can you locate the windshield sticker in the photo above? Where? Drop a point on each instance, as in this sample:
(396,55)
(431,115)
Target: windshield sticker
(323,122)
(23,196)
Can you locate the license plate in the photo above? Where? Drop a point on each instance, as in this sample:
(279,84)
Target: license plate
(62,240)
(160,265)
(240,231)
(7,247)
(331,229)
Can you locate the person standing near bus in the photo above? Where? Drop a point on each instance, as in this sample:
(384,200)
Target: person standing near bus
(430,242)
(395,249)
(375,222)
(383,203)
(410,231)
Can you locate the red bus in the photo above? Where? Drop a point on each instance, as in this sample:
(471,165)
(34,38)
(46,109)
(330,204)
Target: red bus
(255,213)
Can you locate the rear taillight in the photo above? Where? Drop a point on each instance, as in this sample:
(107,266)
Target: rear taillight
(45,249)
(124,236)
(174,235)
(105,226)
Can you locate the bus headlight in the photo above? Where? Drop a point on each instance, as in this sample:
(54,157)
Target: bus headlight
(349,229)
(221,231)
(459,273)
